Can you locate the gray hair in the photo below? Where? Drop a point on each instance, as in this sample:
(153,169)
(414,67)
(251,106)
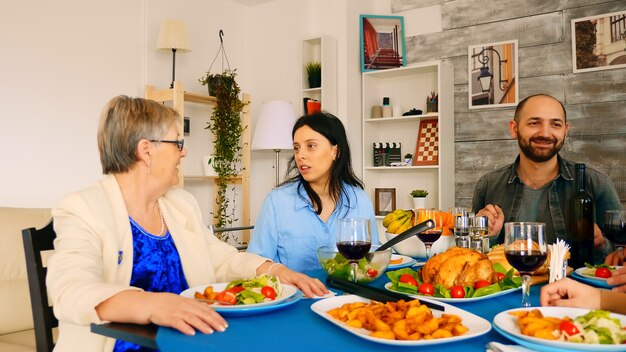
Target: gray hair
(123,123)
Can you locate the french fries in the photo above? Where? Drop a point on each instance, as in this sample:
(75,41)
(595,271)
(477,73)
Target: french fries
(533,323)
(399,320)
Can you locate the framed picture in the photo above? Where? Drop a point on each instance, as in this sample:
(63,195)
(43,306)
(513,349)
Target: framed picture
(382,42)
(427,147)
(493,78)
(599,42)
(385,200)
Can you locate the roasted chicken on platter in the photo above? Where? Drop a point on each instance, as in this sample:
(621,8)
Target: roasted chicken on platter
(458,266)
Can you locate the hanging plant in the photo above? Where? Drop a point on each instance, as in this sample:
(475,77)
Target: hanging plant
(225,124)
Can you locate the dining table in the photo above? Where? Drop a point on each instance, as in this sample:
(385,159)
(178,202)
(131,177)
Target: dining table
(296,326)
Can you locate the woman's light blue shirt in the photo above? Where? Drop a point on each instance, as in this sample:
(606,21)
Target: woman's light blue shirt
(288,230)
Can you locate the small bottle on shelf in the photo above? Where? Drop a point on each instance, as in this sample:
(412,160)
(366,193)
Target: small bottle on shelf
(580,222)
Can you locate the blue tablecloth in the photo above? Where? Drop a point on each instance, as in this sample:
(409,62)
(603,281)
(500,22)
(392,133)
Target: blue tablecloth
(298,327)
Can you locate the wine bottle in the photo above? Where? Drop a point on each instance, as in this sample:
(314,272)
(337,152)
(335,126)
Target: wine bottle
(580,222)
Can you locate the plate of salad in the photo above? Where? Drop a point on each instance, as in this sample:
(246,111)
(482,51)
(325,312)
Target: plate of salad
(595,274)
(601,330)
(245,294)
(408,281)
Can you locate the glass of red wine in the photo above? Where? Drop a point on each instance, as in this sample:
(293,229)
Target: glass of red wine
(526,250)
(429,237)
(615,228)
(354,240)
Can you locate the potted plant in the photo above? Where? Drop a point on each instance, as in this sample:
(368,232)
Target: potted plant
(314,72)
(408,157)
(225,124)
(419,198)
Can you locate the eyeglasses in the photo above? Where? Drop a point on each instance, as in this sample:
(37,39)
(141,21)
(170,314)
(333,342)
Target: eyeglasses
(180,143)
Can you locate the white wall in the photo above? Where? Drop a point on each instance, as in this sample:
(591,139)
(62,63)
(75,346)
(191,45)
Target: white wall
(60,67)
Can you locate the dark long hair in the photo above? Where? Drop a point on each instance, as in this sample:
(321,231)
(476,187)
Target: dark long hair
(341,171)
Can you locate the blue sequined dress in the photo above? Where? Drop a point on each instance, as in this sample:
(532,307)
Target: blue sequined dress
(156,268)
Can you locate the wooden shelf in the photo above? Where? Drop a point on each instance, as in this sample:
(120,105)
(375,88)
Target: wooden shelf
(178,96)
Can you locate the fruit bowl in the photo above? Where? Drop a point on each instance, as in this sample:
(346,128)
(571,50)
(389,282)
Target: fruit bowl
(413,247)
(369,269)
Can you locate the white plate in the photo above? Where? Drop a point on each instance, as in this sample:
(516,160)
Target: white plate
(477,326)
(456,300)
(288,291)
(406,262)
(592,280)
(506,324)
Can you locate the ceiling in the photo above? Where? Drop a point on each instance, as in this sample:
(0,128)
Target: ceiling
(252,2)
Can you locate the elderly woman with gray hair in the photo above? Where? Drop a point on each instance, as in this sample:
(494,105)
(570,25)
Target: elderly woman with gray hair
(127,246)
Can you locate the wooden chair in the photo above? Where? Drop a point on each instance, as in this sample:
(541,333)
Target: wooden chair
(35,242)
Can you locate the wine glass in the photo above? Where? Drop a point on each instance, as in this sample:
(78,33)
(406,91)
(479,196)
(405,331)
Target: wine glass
(526,250)
(354,240)
(615,227)
(430,236)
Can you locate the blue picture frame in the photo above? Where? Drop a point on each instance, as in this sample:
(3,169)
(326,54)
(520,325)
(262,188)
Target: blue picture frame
(382,42)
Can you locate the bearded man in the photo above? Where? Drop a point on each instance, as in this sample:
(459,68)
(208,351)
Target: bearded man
(538,185)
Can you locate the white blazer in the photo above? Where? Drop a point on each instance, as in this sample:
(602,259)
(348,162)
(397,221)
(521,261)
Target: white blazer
(94,255)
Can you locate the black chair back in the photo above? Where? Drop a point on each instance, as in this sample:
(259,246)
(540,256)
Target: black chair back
(35,242)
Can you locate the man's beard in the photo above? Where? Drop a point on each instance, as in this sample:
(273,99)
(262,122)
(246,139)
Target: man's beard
(533,154)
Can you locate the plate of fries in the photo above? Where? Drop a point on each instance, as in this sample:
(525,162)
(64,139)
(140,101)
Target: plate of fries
(532,330)
(399,261)
(400,323)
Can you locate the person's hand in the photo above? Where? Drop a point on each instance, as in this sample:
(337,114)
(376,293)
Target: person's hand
(184,314)
(309,286)
(618,279)
(598,238)
(495,216)
(615,258)
(570,293)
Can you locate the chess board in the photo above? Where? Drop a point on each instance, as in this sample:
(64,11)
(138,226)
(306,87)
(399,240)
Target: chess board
(427,148)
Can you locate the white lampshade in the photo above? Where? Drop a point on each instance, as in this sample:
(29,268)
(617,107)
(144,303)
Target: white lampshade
(273,128)
(173,35)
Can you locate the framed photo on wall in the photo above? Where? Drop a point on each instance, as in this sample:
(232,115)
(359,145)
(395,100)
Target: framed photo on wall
(493,78)
(599,42)
(385,201)
(382,42)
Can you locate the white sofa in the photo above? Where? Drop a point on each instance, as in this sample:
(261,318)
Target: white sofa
(16,320)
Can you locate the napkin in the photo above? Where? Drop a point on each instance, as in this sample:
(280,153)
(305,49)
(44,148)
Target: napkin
(558,262)
(500,347)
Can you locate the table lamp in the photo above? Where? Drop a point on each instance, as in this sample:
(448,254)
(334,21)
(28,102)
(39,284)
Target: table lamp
(273,129)
(173,36)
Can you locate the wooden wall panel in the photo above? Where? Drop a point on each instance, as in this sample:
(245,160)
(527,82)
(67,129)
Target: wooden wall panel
(595,101)
(465,13)
(596,86)
(535,30)
(597,119)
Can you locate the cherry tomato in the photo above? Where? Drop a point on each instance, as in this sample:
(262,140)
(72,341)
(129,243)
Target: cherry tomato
(427,289)
(226,297)
(408,279)
(499,276)
(603,273)
(269,292)
(568,328)
(481,283)
(457,291)
(372,272)
(236,289)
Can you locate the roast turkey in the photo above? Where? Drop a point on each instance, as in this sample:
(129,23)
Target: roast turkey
(458,266)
